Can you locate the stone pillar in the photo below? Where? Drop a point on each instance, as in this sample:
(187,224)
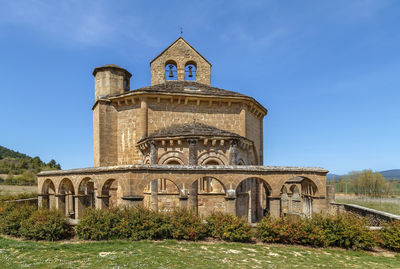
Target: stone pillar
(330,195)
(41,200)
(79,205)
(180,72)
(153,152)
(193,196)
(183,202)
(60,202)
(143,128)
(52,201)
(275,207)
(101,201)
(230,205)
(192,152)
(230,202)
(154,195)
(233,152)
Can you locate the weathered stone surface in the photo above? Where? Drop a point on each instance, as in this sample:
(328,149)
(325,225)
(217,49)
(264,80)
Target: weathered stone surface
(180,144)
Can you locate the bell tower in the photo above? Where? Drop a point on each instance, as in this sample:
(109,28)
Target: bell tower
(180,62)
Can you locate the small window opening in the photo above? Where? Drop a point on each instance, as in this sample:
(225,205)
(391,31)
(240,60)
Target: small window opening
(126,85)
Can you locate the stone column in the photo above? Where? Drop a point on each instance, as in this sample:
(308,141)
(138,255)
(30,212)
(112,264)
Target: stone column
(60,202)
(41,199)
(230,201)
(153,152)
(230,205)
(154,195)
(193,196)
(101,201)
(330,195)
(275,207)
(233,152)
(52,201)
(79,205)
(183,202)
(143,116)
(192,152)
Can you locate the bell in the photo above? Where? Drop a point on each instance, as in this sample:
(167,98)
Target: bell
(190,71)
(171,74)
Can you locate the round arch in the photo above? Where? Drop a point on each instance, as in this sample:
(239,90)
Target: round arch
(161,194)
(171,70)
(212,161)
(204,157)
(253,198)
(48,191)
(172,156)
(190,70)
(207,194)
(110,193)
(303,190)
(66,197)
(86,192)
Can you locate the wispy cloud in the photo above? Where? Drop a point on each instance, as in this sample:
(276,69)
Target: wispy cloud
(74,21)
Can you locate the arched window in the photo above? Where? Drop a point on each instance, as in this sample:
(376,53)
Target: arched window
(171,72)
(190,71)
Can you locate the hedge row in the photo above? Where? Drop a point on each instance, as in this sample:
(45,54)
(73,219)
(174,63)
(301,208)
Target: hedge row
(28,222)
(141,223)
(345,231)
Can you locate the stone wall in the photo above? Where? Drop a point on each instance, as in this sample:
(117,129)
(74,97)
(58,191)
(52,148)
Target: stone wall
(105,134)
(180,53)
(132,181)
(165,114)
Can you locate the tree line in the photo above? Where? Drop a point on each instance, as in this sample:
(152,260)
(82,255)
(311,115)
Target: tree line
(366,183)
(21,169)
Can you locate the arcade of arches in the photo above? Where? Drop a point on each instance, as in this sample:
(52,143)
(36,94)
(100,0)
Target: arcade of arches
(180,142)
(248,192)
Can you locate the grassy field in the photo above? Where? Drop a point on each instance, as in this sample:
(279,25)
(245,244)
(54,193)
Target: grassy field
(390,205)
(173,254)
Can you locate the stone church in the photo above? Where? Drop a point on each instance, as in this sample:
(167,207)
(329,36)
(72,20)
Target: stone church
(180,143)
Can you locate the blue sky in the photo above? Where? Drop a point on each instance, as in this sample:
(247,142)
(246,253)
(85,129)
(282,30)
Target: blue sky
(327,71)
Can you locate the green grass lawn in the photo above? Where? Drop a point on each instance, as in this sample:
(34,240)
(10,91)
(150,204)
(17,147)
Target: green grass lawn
(174,254)
(390,205)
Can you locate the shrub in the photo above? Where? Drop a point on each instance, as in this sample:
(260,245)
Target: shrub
(46,224)
(228,227)
(341,231)
(347,231)
(12,217)
(390,236)
(97,224)
(186,225)
(141,223)
(280,230)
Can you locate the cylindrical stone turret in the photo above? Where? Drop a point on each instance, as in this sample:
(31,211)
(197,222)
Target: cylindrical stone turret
(111,79)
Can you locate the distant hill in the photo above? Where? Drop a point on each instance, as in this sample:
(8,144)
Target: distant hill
(21,169)
(391,174)
(8,153)
(388,174)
